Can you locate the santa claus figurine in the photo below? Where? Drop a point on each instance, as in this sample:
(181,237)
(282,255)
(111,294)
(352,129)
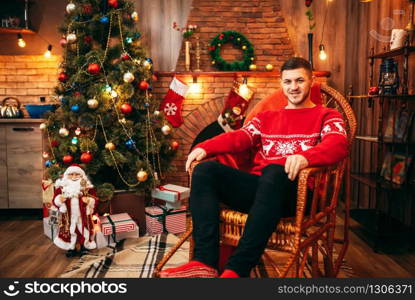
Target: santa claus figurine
(76,200)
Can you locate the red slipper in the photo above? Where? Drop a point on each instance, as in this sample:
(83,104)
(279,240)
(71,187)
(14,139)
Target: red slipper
(229,274)
(193,269)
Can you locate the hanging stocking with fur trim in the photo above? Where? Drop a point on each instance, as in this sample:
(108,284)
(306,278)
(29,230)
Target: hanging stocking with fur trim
(173,102)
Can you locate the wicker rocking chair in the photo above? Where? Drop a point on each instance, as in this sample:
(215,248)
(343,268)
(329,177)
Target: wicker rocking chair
(303,238)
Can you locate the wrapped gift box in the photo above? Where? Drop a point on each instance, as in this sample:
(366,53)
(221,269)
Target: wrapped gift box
(50,228)
(115,228)
(105,240)
(172,194)
(160,219)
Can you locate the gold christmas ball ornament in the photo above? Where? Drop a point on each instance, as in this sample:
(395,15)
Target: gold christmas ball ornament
(156,112)
(147,65)
(252,67)
(71,38)
(42,126)
(269,67)
(45,155)
(93,103)
(236,110)
(166,129)
(238,39)
(213,62)
(122,121)
(110,146)
(70,8)
(134,16)
(128,77)
(244,47)
(142,176)
(63,132)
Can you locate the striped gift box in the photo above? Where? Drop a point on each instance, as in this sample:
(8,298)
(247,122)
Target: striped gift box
(121,222)
(159,219)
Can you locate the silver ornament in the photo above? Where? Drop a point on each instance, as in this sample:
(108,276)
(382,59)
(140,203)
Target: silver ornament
(71,38)
(156,112)
(70,8)
(166,129)
(93,103)
(128,77)
(42,126)
(63,132)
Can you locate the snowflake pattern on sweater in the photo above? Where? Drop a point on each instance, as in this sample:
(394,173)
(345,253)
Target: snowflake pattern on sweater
(317,133)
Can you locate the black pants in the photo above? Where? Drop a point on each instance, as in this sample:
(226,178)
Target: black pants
(265,198)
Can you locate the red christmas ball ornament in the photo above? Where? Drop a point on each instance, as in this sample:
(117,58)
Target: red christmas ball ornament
(174,145)
(67,159)
(113,3)
(87,9)
(63,77)
(54,143)
(63,42)
(126,108)
(87,39)
(308,3)
(143,85)
(125,56)
(77,94)
(86,157)
(94,69)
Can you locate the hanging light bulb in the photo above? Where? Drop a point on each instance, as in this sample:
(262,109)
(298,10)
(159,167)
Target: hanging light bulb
(322,55)
(243,88)
(20,41)
(48,52)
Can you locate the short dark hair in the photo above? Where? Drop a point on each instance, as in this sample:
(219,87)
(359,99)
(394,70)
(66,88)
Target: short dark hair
(297,63)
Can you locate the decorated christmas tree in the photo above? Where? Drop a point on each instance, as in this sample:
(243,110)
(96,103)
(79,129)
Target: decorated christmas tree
(107,121)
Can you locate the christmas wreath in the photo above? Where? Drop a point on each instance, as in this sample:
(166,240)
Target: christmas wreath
(236,39)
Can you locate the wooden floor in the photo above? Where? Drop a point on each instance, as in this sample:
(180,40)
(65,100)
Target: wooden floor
(26,252)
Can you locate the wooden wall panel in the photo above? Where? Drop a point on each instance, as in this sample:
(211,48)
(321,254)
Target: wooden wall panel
(333,37)
(4,203)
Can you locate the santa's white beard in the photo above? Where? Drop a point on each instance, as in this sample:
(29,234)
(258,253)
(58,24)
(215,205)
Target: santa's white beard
(71,189)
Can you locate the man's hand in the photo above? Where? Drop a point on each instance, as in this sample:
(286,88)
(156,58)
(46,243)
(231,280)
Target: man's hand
(294,164)
(197,154)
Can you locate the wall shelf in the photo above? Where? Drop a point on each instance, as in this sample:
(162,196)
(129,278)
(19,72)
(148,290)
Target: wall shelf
(16,30)
(395,52)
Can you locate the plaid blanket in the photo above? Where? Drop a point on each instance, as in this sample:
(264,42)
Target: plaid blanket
(137,258)
(131,258)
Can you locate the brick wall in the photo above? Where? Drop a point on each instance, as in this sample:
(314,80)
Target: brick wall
(28,77)
(261,21)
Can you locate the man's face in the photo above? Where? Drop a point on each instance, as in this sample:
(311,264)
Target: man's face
(74,176)
(296,86)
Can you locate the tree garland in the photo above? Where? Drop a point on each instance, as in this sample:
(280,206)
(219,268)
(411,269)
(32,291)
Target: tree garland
(236,39)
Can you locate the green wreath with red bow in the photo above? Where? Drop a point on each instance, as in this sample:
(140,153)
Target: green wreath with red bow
(239,41)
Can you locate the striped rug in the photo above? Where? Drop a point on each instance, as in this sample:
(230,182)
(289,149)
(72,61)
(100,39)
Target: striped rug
(132,258)
(137,258)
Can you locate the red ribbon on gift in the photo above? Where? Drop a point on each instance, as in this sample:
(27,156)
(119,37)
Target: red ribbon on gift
(162,188)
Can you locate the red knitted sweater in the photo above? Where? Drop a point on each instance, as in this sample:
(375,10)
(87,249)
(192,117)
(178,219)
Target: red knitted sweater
(316,133)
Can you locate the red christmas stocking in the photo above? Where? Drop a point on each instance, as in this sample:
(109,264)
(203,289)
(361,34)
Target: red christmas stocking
(173,102)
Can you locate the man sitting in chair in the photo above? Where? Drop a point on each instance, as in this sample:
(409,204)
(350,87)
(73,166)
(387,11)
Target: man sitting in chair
(284,142)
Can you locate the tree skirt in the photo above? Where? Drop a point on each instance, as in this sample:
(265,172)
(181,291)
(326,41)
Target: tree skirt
(137,258)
